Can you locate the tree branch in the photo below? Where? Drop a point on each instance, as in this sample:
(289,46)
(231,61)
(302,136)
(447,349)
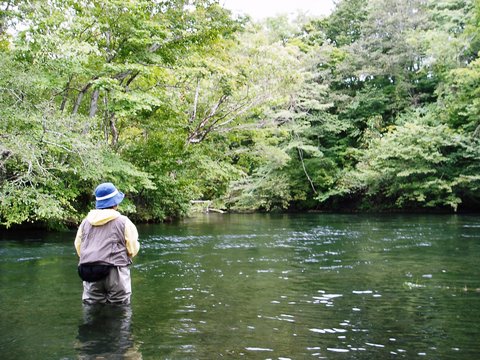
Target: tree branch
(80,98)
(66,91)
(195,102)
(202,130)
(300,154)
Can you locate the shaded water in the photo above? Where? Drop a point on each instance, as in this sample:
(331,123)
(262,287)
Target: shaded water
(256,287)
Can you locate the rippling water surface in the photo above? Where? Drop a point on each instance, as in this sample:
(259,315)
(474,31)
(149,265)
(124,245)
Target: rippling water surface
(257,287)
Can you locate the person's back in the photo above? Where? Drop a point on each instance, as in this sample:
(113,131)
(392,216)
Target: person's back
(106,242)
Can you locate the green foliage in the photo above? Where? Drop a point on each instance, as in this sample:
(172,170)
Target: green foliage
(375,106)
(80,76)
(462,98)
(47,165)
(363,129)
(262,192)
(344,25)
(417,165)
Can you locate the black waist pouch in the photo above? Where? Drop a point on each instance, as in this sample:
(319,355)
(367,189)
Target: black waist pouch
(93,272)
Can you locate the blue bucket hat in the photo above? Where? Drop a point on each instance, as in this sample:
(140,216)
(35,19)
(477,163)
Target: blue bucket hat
(107,196)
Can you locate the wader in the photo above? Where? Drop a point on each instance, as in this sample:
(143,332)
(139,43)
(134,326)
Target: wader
(116,288)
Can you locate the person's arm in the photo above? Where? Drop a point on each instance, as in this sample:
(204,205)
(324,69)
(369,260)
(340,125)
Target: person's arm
(131,239)
(78,239)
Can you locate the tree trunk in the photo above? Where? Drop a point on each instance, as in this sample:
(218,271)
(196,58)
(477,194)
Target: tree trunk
(94,103)
(65,95)
(78,102)
(113,130)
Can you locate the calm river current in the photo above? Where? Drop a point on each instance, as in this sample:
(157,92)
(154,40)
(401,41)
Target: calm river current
(256,287)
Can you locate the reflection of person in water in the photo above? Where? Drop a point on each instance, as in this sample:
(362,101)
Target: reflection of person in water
(106,333)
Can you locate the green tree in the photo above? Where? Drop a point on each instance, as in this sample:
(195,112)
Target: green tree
(417,165)
(82,78)
(47,160)
(365,127)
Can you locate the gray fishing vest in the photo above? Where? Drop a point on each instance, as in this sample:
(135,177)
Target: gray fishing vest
(104,244)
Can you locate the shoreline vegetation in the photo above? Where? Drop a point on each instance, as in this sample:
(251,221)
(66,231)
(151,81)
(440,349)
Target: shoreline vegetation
(372,109)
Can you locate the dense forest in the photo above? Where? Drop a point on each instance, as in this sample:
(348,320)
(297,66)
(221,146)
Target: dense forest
(373,108)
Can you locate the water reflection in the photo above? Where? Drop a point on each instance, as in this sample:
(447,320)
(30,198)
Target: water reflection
(258,287)
(105,333)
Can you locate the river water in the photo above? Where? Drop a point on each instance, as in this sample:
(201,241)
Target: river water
(311,286)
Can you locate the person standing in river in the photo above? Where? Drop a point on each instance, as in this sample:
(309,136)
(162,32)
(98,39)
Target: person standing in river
(106,242)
